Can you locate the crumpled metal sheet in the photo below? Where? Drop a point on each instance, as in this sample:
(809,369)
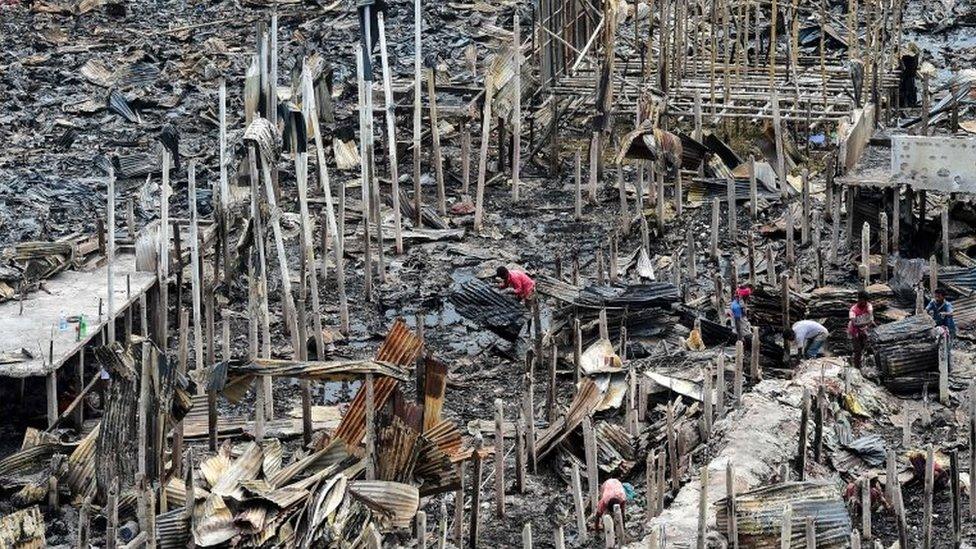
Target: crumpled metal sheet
(245,467)
(759,514)
(401,347)
(397,503)
(481,303)
(587,398)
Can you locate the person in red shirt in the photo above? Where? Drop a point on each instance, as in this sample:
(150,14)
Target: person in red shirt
(521,284)
(861,317)
(613,493)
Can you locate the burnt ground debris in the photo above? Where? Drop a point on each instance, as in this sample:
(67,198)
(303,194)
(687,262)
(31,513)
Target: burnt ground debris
(58,123)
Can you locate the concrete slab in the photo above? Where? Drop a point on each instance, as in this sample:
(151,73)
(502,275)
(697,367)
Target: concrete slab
(74,293)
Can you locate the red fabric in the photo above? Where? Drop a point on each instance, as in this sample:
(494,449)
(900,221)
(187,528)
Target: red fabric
(612,492)
(521,283)
(744,291)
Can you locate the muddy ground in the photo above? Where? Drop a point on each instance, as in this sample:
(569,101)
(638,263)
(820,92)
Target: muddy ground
(54,126)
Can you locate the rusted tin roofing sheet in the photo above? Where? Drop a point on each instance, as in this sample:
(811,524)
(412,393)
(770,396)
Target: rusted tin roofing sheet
(401,347)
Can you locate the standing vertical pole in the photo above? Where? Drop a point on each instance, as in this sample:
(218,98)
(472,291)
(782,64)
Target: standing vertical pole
(195,274)
(578,186)
(435,137)
(110,254)
(753,189)
(592,471)
(483,156)
(499,459)
(417,113)
(517,112)
(733,220)
(364,114)
(476,460)
(390,108)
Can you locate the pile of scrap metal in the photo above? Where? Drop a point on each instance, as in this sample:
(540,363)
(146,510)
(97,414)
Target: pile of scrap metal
(759,514)
(23,529)
(601,389)
(906,353)
(643,309)
(24,265)
(765,306)
(830,305)
(715,333)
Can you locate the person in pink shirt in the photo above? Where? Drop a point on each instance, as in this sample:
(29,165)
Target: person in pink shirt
(613,493)
(521,284)
(861,318)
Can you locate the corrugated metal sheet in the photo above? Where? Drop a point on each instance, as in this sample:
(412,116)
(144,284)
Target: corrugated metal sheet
(401,347)
(213,523)
(958,276)
(587,398)
(80,468)
(435,469)
(172,530)
(446,436)
(912,328)
(481,303)
(396,502)
(396,452)
(759,515)
(118,436)
(435,385)
(336,370)
(246,467)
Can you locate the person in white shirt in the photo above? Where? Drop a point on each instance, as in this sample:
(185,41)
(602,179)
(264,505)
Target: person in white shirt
(810,334)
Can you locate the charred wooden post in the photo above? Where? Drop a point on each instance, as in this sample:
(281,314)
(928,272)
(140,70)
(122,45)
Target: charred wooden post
(944,217)
(112,516)
(578,186)
(528,416)
(835,228)
(902,522)
(720,387)
(790,239)
(370,437)
(733,531)
(787,325)
(499,458)
(733,219)
(475,529)
(650,510)
(559,538)
(971,432)
(578,506)
(786,532)
(801,455)
(390,113)
(577,348)
(442,527)
(739,378)
(691,257)
(521,452)
(707,404)
(527,536)
(884,246)
(672,448)
(609,539)
(805,221)
(418,115)
(618,526)
(517,111)
(713,248)
(84,523)
(865,484)
(593,167)
(466,158)
(459,506)
(604,328)
(753,189)
(818,419)
(702,508)
(613,268)
(483,157)
(754,370)
(933,274)
(421,530)
(954,485)
(770,266)
(551,384)
(929,487)
(896,220)
(592,468)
